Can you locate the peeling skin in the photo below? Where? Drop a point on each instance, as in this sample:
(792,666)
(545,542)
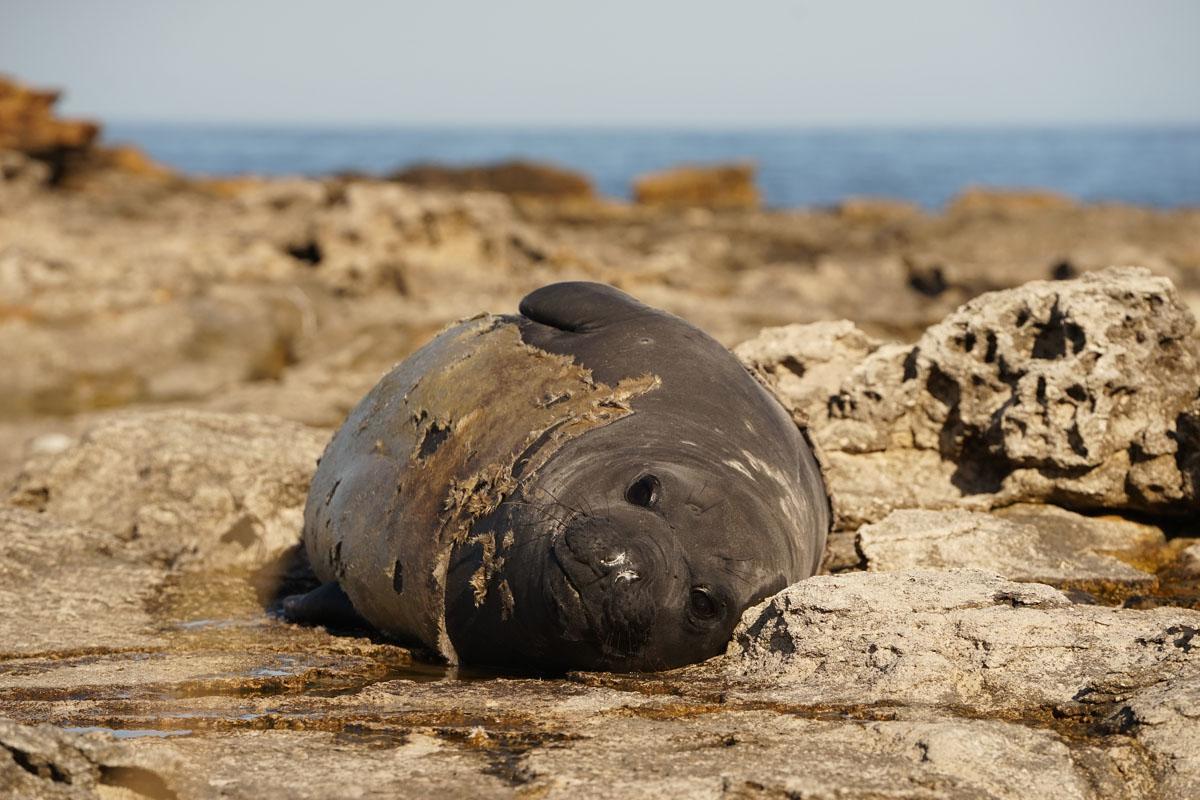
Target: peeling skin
(435,448)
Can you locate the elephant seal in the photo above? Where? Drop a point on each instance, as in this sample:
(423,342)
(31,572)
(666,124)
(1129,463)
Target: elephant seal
(594,484)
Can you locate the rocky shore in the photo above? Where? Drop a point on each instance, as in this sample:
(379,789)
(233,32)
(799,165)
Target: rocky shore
(1005,398)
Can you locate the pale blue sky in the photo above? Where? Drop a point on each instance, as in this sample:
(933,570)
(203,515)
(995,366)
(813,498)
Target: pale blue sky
(617,62)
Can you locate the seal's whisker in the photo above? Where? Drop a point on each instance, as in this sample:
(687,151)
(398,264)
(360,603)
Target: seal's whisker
(554,497)
(544,511)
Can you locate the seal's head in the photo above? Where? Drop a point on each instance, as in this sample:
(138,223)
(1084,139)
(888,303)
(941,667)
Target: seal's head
(654,562)
(636,564)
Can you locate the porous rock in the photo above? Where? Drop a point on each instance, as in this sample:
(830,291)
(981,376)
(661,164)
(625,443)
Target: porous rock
(1081,393)
(805,365)
(955,638)
(176,349)
(182,488)
(1039,544)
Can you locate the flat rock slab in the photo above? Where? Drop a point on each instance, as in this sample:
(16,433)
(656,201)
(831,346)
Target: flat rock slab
(1039,544)
(958,638)
(181,488)
(760,754)
(579,740)
(400,764)
(66,589)
(940,681)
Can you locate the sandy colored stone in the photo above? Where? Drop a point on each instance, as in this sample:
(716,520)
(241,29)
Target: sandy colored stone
(1166,720)
(247,765)
(757,754)
(981,200)
(538,737)
(716,186)
(28,123)
(46,763)
(1079,393)
(21,178)
(1039,544)
(66,589)
(521,178)
(841,553)
(957,638)
(181,488)
(805,365)
(1190,559)
(174,291)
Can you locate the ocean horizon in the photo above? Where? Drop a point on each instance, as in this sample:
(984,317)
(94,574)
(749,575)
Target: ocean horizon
(1156,166)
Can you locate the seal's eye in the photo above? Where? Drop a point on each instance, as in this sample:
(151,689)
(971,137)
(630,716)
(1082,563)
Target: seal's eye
(704,605)
(644,492)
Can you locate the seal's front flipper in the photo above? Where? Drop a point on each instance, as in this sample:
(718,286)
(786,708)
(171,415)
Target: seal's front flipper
(326,605)
(579,306)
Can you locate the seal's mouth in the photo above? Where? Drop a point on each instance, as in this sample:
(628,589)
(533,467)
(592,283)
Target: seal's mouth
(576,624)
(599,605)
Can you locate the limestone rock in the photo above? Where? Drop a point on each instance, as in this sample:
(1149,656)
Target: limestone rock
(67,589)
(688,186)
(21,177)
(1190,560)
(1039,544)
(877,210)
(46,763)
(805,365)
(757,754)
(958,638)
(182,488)
(28,124)
(521,178)
(249,765)
(841,553)
(1166,720)
(980,200)
(1080,393)
(67,147)
(166,351)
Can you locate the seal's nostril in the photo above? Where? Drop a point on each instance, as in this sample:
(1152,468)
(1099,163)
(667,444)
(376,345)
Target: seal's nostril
(615,561)
(627,576)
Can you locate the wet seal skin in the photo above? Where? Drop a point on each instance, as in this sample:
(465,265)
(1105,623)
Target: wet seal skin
(594,484)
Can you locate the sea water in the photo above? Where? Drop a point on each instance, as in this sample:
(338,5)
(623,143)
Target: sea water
(1148,166)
